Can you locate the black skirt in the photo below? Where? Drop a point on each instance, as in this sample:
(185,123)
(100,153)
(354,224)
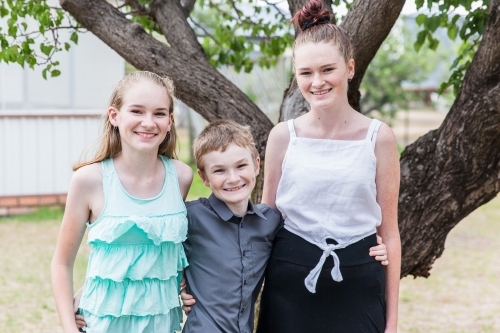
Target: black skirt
(354,305)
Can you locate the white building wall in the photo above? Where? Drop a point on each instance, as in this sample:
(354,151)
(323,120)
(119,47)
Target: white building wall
(38,149)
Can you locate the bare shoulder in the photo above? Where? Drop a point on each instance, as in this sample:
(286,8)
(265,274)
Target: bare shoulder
(88,177)
(184,171)
(385,138)
(279,134)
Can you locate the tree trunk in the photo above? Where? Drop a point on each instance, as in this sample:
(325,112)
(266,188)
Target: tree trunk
(449,172)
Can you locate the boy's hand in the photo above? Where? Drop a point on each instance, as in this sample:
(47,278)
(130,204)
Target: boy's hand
(380,252)
(79,320)
(187,300)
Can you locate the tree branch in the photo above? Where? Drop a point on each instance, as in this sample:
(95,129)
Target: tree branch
(169,16)
(275,6)
(137,7)
(187,7)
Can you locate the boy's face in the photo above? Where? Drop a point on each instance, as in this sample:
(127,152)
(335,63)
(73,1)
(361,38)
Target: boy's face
(230,174)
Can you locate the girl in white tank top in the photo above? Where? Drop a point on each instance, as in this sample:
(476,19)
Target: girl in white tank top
(327,190)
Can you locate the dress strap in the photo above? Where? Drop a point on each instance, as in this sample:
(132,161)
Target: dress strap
(107,167)
(372,131)
(291,129)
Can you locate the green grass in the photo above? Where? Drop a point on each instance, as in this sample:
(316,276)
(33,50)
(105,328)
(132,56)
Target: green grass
(41,214)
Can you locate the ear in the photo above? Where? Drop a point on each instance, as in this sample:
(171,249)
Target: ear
(350,68)
(257,166)
(203,178)
(112,114)
(171,116)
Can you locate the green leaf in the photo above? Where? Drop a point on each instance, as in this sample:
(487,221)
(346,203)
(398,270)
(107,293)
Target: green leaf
(44,73)
(420,19)
(3,11)
(66,46)
(55,73)
(433,22)
(453,32)
(419,3)
(74,37)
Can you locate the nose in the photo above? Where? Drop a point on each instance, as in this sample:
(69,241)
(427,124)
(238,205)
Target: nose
(233,176)
(318,81)
(147,121)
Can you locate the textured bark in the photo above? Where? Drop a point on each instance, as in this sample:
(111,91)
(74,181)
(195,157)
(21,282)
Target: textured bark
(367,23)
(449,172)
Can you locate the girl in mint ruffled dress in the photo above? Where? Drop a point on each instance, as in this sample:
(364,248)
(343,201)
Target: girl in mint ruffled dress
(131,198)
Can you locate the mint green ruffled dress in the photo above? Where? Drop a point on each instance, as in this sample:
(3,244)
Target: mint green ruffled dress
(134,269)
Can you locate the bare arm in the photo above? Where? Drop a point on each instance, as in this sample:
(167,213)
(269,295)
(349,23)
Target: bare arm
(76,214)
(277,144)
(185,177)
(387,181)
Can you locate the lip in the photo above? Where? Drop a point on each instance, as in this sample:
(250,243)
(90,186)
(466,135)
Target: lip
(321,92)
(146,135)
(235,189)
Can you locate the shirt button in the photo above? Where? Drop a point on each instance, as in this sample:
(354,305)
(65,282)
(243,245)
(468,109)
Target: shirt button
(242,225)
(242,310)
(245,282)
(244,253)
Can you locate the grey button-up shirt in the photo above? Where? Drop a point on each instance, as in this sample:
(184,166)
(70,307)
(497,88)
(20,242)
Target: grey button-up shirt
(227,257)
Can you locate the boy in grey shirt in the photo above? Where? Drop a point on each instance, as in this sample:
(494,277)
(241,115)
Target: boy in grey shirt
(229,238)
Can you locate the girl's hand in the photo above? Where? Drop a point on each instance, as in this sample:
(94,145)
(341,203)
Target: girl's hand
(187,300)
(380,252)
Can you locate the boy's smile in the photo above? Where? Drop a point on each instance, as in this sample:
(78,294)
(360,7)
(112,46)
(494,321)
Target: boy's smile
(231,176)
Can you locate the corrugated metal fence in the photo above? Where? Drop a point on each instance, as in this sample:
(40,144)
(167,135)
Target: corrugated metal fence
(37,151)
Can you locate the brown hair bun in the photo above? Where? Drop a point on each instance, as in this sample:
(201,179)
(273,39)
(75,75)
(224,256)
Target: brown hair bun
(313,13)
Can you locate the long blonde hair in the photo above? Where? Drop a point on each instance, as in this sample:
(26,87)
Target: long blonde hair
(110,143)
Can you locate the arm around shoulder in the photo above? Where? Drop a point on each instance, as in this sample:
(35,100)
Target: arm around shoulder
(184,176)
(277,144)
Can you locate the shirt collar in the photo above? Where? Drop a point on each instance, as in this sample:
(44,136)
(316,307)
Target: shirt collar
(226,214)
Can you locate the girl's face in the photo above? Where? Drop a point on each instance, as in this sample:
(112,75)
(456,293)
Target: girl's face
(322,74)
(144,119)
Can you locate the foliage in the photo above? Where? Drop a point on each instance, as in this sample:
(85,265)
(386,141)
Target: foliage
(395,63)
(444,13)
(31,36)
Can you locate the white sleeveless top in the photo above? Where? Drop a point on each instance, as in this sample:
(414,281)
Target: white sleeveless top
(327,190)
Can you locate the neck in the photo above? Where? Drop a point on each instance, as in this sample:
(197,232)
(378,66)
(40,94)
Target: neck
(239,208)
(330,119)
(137,163)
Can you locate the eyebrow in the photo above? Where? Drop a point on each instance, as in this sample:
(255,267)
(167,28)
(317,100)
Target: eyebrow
(142,106)
(327,65)
(218,166)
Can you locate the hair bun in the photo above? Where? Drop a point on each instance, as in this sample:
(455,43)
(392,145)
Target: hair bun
(313,13)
